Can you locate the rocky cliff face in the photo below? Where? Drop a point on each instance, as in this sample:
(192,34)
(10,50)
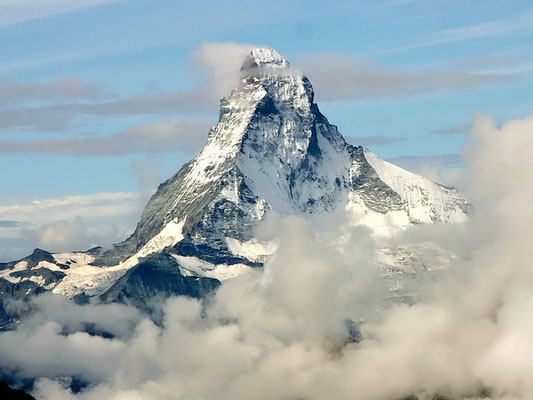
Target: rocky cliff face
(272,151)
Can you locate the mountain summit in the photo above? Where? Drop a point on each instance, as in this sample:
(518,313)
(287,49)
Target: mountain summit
(261,57)
(272,151)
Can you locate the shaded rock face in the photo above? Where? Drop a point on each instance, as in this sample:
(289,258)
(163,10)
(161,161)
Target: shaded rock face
(272,151)
(154,279)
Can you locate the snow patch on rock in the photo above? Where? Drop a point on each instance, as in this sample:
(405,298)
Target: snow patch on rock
(193,266)
(253,249)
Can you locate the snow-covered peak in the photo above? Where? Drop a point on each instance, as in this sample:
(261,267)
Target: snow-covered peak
(261,57)
(284,87)
(272,151)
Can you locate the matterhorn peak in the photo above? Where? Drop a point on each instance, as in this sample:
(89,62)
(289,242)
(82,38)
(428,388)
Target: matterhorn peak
(261,57)
(265,71)
(271,152)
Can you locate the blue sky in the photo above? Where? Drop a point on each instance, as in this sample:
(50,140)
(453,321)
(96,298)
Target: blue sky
(85,84)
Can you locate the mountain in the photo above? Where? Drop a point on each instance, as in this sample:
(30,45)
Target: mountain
(272,151)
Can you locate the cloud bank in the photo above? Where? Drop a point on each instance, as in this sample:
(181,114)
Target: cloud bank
(284,333)
(66,223)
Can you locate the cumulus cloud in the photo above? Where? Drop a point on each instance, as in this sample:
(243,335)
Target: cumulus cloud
(315,323)
(284,332)
(66,223)
(160,136)
(259,332)
(59,329)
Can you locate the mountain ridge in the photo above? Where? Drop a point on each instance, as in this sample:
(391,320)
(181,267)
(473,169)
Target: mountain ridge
(272,151)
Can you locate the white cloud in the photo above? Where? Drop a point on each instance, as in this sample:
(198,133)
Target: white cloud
(516,25)
(458,129)
(281,333)
(222,62)
(337,77)
(67,223)
(379,140)
(67,88)
(15,11)
(159,136)
(215,67)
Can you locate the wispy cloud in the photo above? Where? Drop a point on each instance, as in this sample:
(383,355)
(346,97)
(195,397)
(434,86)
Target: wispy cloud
(338,77)
(446,160)
(454,130)
(379,140)
(514,25)
(6,223)
(15,11)
(518,68)
(67,88)
(61,116)
(160,136)
(214,66)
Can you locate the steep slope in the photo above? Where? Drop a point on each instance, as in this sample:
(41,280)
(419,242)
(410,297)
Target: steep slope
(272,151)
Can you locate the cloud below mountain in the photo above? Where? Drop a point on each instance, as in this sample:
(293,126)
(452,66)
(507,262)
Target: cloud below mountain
(66,223)
(282,333)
